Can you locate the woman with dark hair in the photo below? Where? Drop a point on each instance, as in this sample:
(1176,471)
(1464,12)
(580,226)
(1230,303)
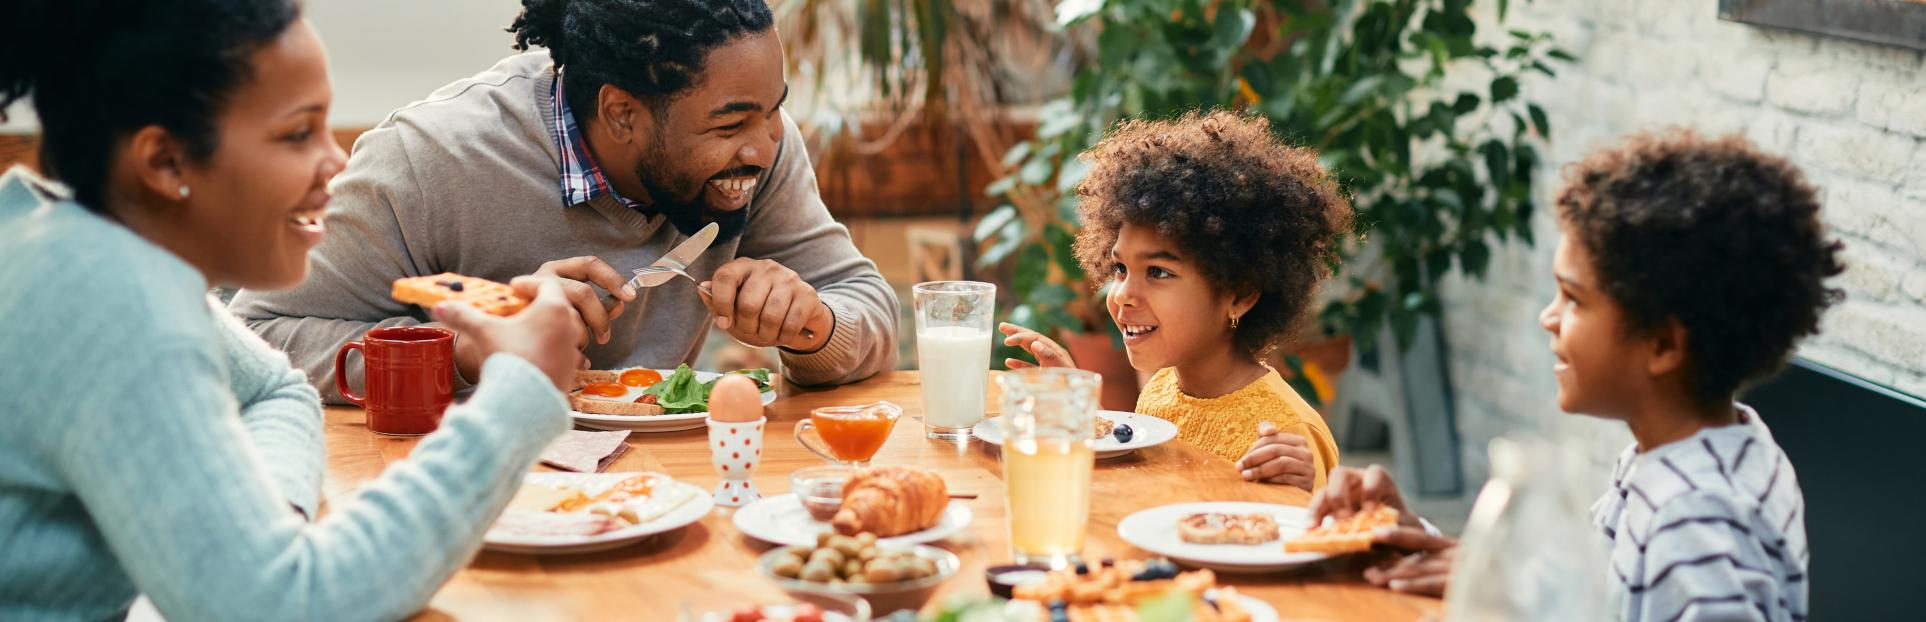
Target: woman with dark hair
(153,444)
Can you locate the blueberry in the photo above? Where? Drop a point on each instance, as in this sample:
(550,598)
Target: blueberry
(1082,569)
(1108,562)
(453,286)
(1152,571)
(1124,433)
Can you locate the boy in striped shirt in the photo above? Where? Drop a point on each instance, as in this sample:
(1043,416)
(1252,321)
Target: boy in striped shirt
(1688,269)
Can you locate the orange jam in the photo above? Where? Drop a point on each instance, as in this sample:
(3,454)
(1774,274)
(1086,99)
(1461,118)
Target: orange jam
(853,436)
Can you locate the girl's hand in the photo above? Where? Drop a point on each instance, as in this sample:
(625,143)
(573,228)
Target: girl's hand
(1279,458)
(1048,353)
(1426,571)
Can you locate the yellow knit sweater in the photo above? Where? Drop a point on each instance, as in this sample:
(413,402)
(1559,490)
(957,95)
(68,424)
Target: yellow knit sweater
(1227,426)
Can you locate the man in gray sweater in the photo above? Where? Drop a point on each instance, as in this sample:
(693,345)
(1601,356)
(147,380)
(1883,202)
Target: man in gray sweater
(643,121)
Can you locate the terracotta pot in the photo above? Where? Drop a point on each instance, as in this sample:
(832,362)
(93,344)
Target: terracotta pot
(1095,352)
(1331,356)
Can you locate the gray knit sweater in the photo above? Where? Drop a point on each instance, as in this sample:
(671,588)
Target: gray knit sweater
(468,181)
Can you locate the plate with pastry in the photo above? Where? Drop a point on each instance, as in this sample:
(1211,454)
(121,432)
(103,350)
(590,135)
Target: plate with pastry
(1226,536)
(555,513)
(1118,433)
(1113,590)
(901,505)
(652,400)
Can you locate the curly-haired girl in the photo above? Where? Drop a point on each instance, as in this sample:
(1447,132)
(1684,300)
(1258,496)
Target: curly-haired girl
(1214,236)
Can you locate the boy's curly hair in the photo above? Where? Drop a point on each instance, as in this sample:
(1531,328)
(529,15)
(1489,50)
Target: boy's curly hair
(1253,213)
(1713,233)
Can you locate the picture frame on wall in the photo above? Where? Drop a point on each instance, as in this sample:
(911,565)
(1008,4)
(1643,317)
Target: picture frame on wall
(1888,22)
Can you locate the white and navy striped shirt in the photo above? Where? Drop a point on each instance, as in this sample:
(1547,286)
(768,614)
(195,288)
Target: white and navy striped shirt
(1707,528)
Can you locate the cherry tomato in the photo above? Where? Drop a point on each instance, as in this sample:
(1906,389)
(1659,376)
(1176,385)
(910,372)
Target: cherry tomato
(747,613)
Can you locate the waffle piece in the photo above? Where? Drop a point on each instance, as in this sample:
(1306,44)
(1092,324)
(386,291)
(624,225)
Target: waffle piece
(1223,528)
(1107,593)
(428,291)
(1344,536)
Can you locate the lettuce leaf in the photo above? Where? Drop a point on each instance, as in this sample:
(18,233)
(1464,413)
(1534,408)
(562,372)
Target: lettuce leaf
(680,393)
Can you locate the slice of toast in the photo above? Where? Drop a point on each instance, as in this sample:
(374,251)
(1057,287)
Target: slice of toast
(1222,528)
(611,407)
(428,291)
(1350,535)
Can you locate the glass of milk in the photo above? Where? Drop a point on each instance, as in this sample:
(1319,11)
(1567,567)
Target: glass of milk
(954,324)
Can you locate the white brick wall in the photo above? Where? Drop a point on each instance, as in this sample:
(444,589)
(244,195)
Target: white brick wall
(1853,116)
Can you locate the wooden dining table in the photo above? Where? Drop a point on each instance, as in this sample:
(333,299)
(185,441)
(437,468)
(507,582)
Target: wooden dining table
(709,565)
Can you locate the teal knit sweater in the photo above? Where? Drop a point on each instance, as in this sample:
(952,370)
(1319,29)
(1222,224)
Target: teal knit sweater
(150,444)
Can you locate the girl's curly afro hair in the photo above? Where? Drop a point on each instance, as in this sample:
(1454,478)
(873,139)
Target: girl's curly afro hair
(1252,213)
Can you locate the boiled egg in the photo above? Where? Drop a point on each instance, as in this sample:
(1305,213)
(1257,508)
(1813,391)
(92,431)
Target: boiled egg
(735,399)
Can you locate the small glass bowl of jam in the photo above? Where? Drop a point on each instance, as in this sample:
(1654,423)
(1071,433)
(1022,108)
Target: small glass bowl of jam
(820,488)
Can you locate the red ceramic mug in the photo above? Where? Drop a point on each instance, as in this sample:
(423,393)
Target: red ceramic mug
(409,374)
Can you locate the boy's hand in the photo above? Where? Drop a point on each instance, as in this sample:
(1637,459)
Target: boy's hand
(1048,353)
(1279,458)
(1426,571)
(1349,489)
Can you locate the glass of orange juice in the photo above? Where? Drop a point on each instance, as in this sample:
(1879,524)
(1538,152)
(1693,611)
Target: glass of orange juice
(850,434)
(1047,457)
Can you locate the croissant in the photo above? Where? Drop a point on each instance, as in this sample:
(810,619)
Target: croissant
(891,501)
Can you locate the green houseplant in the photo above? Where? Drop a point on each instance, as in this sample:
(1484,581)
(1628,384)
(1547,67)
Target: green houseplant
(1438,167)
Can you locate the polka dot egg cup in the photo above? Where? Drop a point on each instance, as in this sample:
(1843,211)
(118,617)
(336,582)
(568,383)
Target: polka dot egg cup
(735,447)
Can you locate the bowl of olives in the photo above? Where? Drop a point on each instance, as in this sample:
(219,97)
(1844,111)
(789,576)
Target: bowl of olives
(891,578)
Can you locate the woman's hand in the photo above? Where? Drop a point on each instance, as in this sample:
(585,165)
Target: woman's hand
(547,333)
(1048,353)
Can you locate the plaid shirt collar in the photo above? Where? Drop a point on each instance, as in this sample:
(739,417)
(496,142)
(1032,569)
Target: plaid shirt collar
(582,178)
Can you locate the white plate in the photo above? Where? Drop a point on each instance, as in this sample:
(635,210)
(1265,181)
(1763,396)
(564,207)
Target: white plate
(1155,530)
(653,423)
(1260,611)
(691,511)
(1147,431)
(782,519)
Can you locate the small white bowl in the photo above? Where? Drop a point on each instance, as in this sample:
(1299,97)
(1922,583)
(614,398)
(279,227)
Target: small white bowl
(884,598)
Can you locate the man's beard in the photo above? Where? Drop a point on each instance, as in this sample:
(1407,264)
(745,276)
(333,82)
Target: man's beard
(690,217)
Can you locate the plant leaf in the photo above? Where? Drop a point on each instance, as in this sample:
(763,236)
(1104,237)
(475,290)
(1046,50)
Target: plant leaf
(1036,171)
(1032,267)
(1503,89)
(1062,248)
(1072,11)
(1539,120)
(1017,153)
(1474,258)
(993,221)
